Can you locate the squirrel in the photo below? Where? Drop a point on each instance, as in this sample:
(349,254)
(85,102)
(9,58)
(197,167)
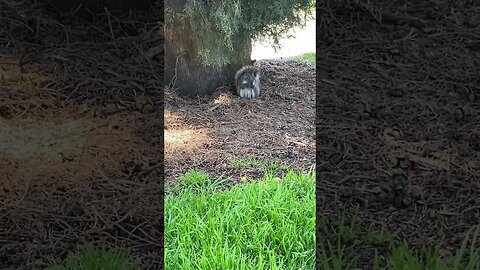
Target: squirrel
(247,82)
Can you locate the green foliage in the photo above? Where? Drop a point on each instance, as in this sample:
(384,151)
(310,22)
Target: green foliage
(268,165)
(306,57)
(220,27)
(196,182)
(97,258)
(341,240)
(267,224)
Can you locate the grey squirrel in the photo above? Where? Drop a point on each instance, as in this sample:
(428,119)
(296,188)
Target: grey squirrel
(247,82)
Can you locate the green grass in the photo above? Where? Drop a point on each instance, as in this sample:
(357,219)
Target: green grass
(267,224)
(341,241)
(92,257)
(268,165)
(306,57)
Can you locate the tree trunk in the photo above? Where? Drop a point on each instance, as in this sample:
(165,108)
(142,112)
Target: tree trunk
(183,68)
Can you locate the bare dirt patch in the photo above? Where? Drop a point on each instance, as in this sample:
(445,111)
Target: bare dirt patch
(80,134)
(398,107)
(208,133)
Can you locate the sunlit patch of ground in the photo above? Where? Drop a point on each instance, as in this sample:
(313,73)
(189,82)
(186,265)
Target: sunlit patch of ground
(179,136)
(32,148)
(223,99)
(28,139)
(171,118)
(184,138)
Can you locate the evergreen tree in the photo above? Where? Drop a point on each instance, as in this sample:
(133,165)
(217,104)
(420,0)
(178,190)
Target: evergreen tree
(206,41)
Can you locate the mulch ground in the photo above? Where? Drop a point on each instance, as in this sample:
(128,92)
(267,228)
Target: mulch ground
(210,133)
(80,134)
(398,124)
